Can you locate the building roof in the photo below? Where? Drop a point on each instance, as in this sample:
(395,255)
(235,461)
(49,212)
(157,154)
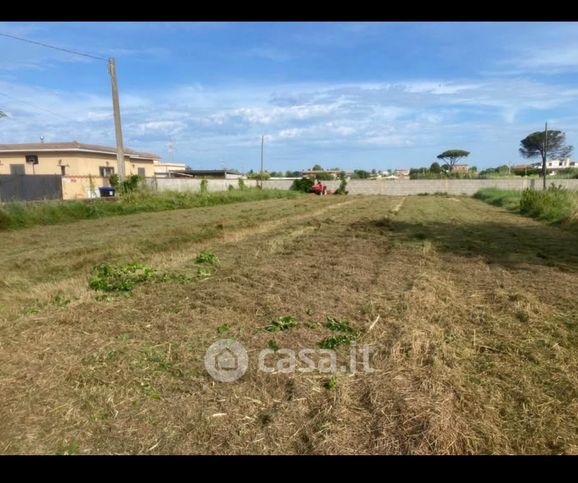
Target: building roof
(211,172)
(74,146)
(315,171)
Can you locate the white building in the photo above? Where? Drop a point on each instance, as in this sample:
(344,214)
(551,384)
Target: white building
(164,170)
(556,164)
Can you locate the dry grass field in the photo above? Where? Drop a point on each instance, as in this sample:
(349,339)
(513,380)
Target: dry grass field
(471,313)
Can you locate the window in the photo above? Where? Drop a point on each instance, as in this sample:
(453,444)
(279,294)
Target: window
(32,158)
(141,172)
(17,169)
(106,171)
(63,170)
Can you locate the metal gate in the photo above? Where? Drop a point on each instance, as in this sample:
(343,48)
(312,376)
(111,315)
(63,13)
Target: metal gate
(29,188)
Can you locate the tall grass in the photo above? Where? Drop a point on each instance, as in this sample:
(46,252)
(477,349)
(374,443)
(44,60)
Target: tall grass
(555,204)
(25,214)
(509,199)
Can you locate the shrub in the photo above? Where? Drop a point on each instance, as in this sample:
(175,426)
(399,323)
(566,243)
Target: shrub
(554,204)
(342,190)
(129,185)
(303,184)
(204,186)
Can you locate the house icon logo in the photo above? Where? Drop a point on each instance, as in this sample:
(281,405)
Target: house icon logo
(226,360)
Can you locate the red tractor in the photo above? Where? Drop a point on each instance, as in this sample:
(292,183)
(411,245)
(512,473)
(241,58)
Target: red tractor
(320,189)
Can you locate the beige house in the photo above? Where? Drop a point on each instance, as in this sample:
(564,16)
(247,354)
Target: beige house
(460,168)
(72,159)
(83,167)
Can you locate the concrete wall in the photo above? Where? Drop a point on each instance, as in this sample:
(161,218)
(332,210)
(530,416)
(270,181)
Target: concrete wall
(189,184)
(378,187)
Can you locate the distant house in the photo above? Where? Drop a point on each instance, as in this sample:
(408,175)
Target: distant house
(460,168)
(555,164)
(312,173)
(209,173)
(401,173)
(166,170)
(72,159)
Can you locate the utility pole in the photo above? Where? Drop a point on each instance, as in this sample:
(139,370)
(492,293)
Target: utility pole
(544,157)
(261,181)
(117,121)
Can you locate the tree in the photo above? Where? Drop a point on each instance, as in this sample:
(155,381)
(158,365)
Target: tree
(552,146)
(360,174)
(435,168)
(452,156)
(503,169)
(317,167)
(293,174)
(303,184)
(324,176)
(257,176)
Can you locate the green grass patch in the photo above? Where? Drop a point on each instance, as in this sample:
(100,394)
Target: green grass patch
(339,325)
(119,278)
(108,277)
(282,323)
(16,215)
(509,199)
(207,257)
(331,383)
(335,341)
(555,204)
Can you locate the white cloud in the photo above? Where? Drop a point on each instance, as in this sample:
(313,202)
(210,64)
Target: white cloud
(210,123)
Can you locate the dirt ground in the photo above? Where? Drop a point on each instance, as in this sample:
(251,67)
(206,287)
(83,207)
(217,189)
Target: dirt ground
(470,313)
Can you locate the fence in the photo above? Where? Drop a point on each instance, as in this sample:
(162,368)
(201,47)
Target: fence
(20,187)
(39,187)
(378,187)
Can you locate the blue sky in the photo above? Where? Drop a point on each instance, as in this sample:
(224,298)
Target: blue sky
(350,95)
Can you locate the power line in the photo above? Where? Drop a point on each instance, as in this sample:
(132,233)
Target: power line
(53,47)
(62,116)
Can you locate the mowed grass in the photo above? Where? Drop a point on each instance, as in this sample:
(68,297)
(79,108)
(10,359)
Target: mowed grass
(468,309)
